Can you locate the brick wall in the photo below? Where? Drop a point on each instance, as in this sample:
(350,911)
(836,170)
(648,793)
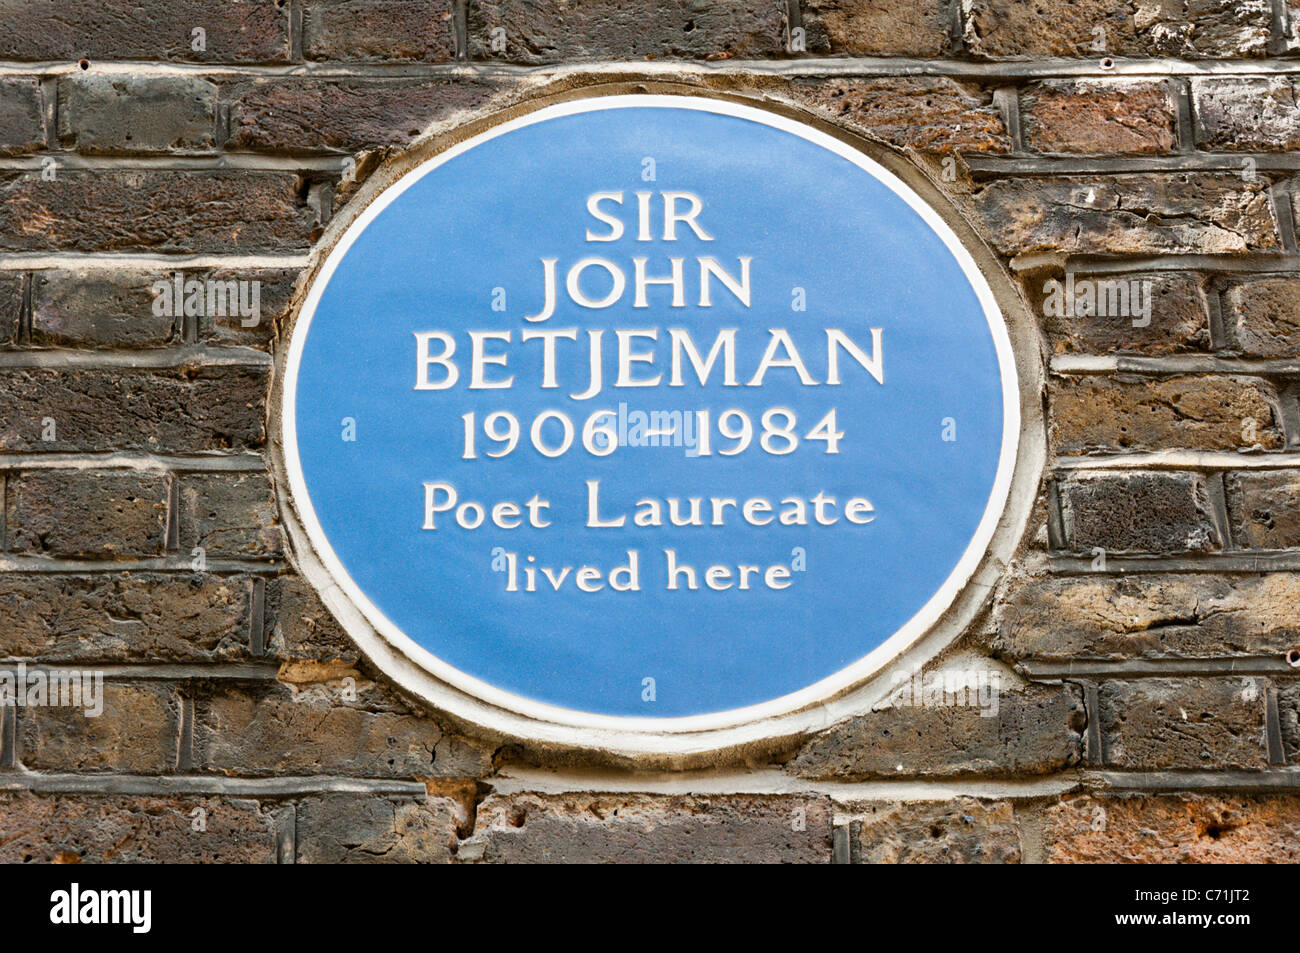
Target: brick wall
(1148,710)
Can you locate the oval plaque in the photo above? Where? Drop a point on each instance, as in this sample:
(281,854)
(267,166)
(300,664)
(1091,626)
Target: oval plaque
(649,412)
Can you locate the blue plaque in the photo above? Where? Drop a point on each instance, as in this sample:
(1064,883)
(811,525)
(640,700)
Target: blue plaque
(651,411)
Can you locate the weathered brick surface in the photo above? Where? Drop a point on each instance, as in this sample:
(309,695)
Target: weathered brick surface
(1148,616)
(580,30)
(176,411)
(104,513)
(21,104)
(127,308)
(1265,508)
(1186,213)
(316,729)
(1194,413)
(1288,710)
(593,828)
(123,617)
(1160,313)
(274,299)
(11,307)
(962,831)
(305,116)
(125,114)
(148,181)
(935,115)
(1138,512)
(1032,732)
(876,28)
(1111,118)
(134,734)
(398,30)
(1173,829)
(1256,114)
(228,515)
(997,29)
(367,829)
(298,626)
(156,211)
(1263,317)
(73,829)
(99,308)
(1185,723)
(237,31)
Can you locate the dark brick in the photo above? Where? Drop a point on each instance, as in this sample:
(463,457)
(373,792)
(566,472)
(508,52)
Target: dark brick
(1189,213)
(638,828)
(97,513)
(1172,829)
(933,115)
(101,308)
(366,829)
(178,411)
(1263,317)
(632,30)
(1138,512)
(961,831)
(398,30)
(237,31)
(298,626)
(1178,321)
(314,115)
(1114,118)
(1160,724)
(135,733)
(67,829)
(877,27)
(1195,413)
(1254,114)
(122,308)
(275,294)
(22,129)
(315,729)
(1265,508)
(126,114)
(997,29)
(1035,731)
(228,515)
(156,211)
(11,306)
(1147,616)
(123,617)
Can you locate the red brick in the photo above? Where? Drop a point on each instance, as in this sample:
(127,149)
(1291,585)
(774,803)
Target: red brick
(1110,118)
(1173,829)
